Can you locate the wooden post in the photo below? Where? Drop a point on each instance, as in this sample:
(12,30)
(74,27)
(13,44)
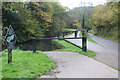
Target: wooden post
(63,35)
(9,56)
(75,33)
(84,39)
(34,45)
(84,44)
(10,40)
(58,34)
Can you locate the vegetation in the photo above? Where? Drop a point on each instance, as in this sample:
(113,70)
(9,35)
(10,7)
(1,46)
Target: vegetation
(104,20)
(34,19)
(0,68)
(65,29)
(26,64)
(45,19)
(77,16)
(88,38)
(72,48)
(109,38)
(101,20)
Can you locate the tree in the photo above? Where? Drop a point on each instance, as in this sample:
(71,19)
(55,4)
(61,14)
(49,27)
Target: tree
(34,19)
(105,20)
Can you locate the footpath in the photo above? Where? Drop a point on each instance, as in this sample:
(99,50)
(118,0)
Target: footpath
(75,65)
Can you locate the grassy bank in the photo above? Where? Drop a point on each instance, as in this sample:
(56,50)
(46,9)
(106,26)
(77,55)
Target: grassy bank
(26,64)
(109,38)
(72,48)
(88,38)
(0,67)
(68,29)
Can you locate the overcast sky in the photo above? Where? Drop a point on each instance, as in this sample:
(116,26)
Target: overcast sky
(76,3)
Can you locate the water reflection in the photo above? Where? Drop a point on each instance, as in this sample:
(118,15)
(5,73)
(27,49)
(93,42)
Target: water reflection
(43,45)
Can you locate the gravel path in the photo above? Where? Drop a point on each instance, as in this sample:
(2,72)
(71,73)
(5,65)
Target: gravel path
(75,65)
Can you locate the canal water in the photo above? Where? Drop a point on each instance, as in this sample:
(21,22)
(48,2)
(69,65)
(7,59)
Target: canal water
(42,45)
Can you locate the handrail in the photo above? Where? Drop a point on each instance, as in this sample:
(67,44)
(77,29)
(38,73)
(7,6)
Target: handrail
(58,38)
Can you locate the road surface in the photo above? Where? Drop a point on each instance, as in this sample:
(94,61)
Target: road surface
(106,50)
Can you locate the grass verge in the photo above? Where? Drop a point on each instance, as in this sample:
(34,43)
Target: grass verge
(91,40)
(72,48)
(88,38)
(66,29)
(26,64)
(109,38)
(0,67)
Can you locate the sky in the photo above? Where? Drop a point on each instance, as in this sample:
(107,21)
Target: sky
(76,3)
